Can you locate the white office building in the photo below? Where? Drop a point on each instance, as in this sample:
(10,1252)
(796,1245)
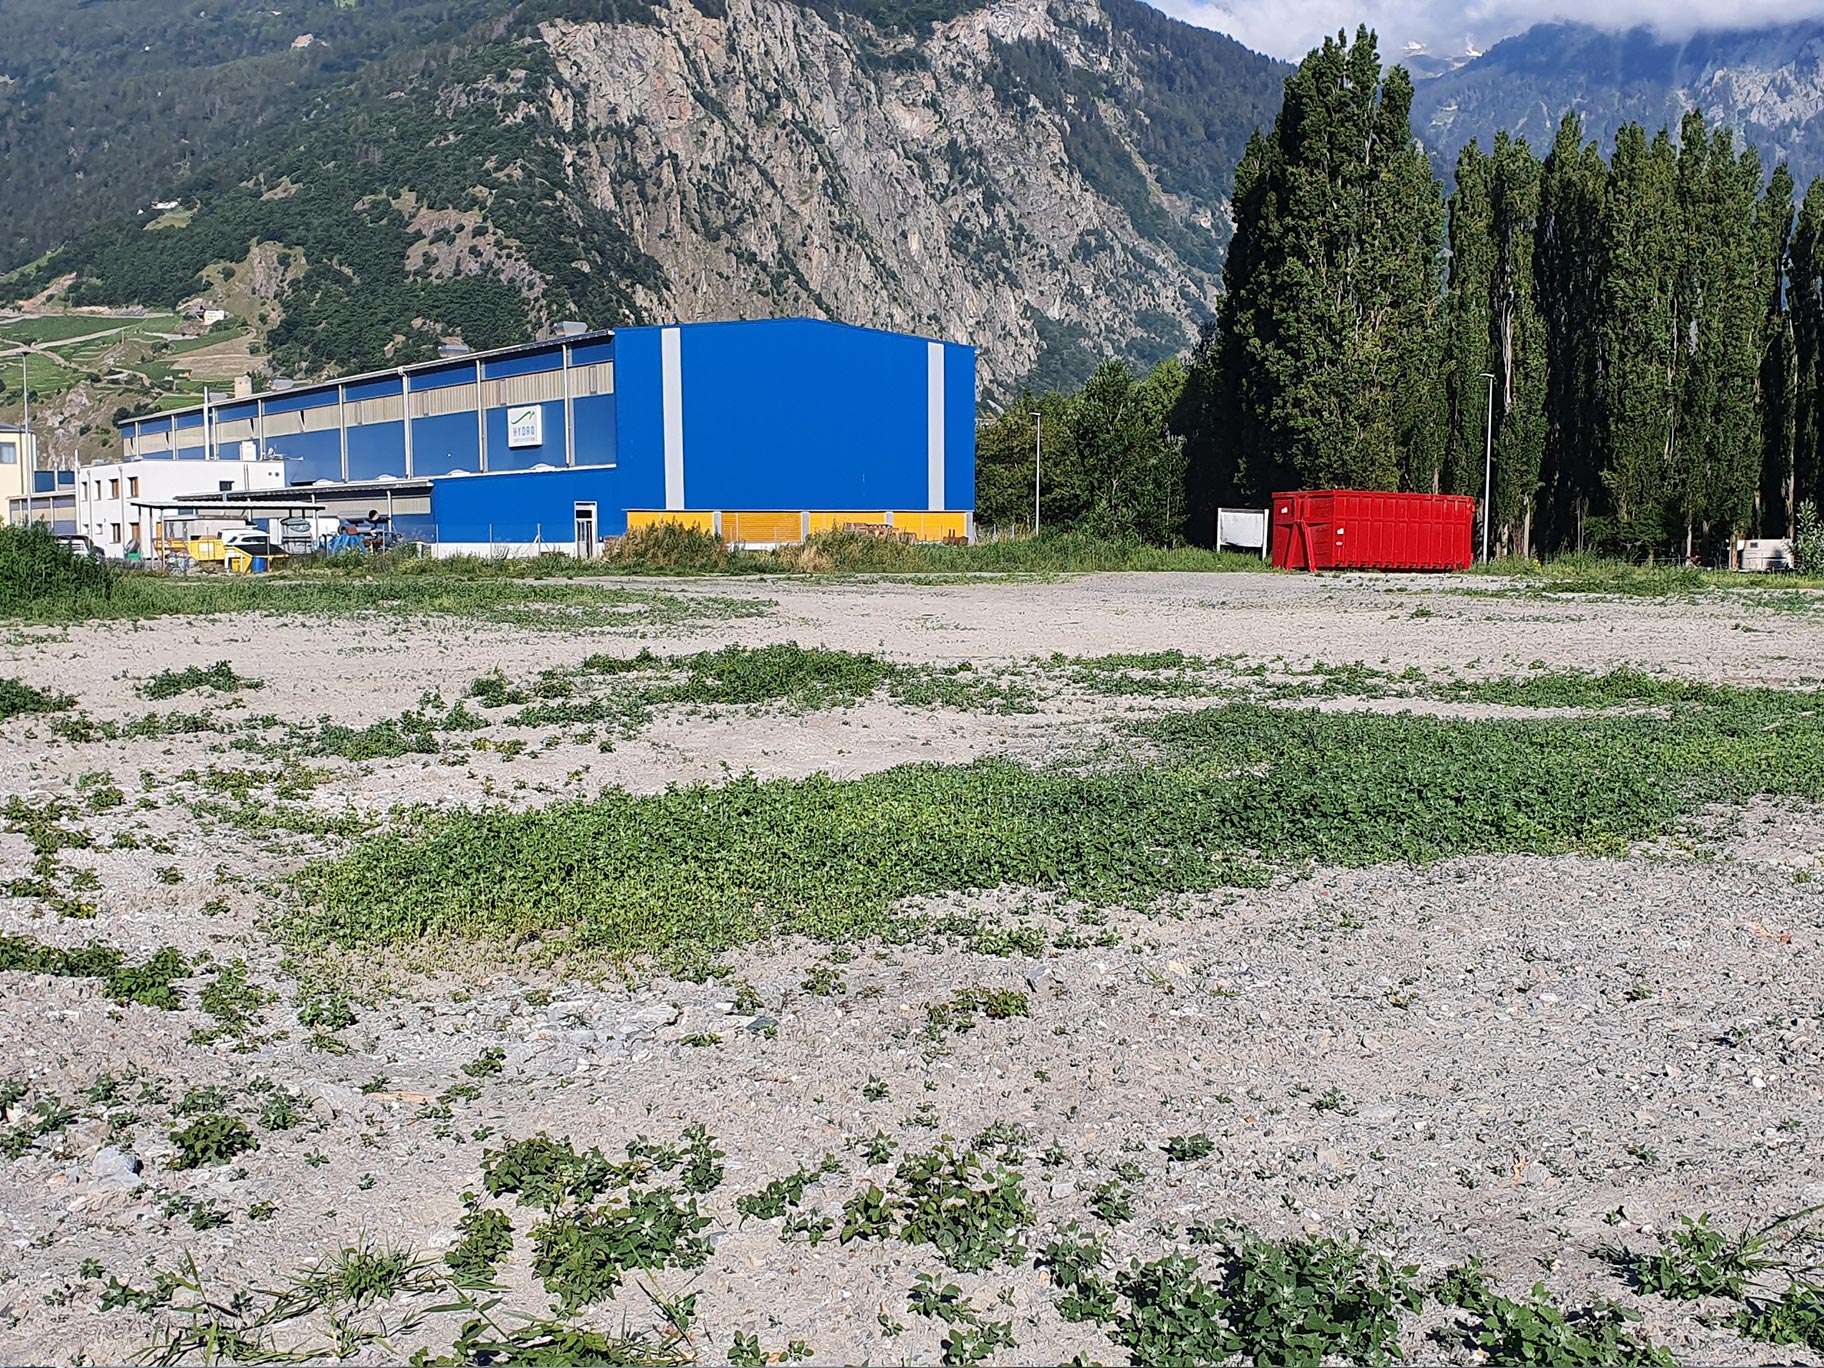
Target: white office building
(109,497)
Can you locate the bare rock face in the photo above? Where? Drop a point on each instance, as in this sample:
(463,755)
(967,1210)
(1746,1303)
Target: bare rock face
(1766,85)
(772,161)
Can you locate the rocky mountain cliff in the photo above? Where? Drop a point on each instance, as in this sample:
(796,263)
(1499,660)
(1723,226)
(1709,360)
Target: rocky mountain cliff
(1767,84)
(1045,178)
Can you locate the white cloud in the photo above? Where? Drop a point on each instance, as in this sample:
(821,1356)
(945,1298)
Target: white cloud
(1290,28)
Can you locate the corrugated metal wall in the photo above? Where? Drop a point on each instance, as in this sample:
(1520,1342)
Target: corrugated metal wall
(765,422)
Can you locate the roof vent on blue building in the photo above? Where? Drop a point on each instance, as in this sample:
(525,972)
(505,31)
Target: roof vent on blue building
(449,351)
(570,327)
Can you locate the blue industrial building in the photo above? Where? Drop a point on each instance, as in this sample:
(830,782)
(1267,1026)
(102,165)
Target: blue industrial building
(762,430)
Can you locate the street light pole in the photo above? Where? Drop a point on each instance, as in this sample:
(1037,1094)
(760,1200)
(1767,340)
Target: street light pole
(29,445)
(1038,433)
(1488,461)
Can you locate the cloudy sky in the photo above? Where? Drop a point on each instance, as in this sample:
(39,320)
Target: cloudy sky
(1290,28)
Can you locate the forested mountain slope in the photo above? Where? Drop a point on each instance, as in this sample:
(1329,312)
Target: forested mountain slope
(1046,178)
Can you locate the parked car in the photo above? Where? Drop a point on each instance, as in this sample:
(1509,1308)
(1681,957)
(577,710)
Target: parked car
(79,545)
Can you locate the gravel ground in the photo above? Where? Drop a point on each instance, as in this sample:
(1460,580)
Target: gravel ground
(1523,1058)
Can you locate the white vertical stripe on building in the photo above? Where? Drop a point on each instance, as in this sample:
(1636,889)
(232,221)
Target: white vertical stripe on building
(671,387)
(934,425)
(405,412)
(569,411)
(481,422)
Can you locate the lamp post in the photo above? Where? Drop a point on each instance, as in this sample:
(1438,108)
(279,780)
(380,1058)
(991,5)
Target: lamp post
(1488,461)
(28,453)
(1038,433)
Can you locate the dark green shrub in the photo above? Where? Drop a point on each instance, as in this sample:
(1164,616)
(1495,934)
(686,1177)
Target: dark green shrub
(39,577)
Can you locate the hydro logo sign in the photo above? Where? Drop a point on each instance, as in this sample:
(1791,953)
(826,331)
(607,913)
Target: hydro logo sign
(526,426)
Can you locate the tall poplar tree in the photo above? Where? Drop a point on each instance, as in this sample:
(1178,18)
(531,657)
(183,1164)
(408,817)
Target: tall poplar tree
(1805,303)
(1637,356)
(1713,448)
(1773,390)
(1466,325)
(1516,342)
(1332,302)
(1568,282)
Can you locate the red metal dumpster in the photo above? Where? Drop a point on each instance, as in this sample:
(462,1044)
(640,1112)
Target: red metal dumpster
(1361,529)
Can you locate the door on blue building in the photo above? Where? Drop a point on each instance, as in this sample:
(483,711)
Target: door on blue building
(585,531)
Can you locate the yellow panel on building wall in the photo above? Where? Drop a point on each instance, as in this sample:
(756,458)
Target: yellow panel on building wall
(926,526)
(696,520)
(829,522)
(762,528)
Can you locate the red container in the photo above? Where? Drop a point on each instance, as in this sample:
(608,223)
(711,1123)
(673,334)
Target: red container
(1359,529)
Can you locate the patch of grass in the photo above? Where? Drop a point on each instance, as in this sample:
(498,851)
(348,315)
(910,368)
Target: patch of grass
(1698,1260)
(798,678)
(485,1238)
(149,984)
(325,1009)
(771,1201)
(19,700)
(1074,1261)
(219,677)
(1589,574)
(281,1111)
(234,1000)
(605,1218)
(1150,674)
(361,1274)
(582,1256)
(1315,1301)
(1183,1149)
(958,1012)
(134,595)
(1049,553)
(1613,689)
(213,1138)
(486,1064)
(667,549)
(1795,1316)
(1228,790)
(47,1116)
(416,731)
(1173,1314)
(1537,1329)
(970,1211)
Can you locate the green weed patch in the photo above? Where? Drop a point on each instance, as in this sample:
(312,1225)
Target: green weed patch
(1226,791)
(150,984)
(799,678)
(219,678)
(18,700)
(529,604)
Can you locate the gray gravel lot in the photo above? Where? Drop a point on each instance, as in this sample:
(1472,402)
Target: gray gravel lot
(1521,1058)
